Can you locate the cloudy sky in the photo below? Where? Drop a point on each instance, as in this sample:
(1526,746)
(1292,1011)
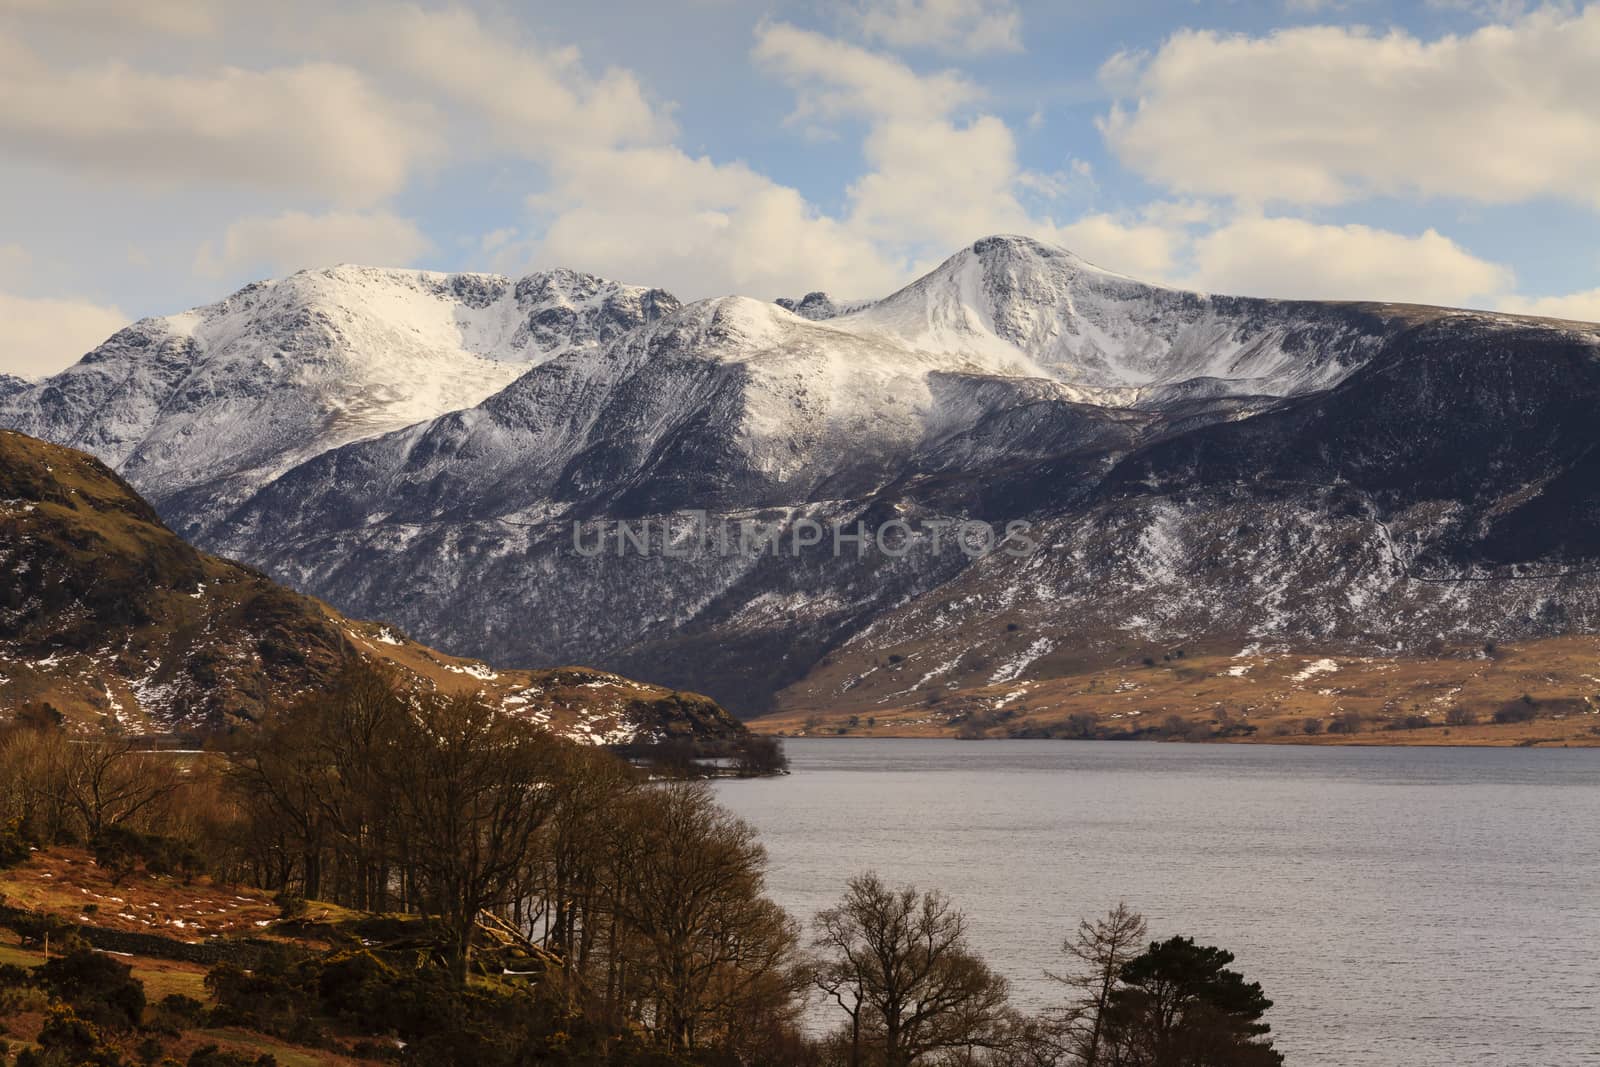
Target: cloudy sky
(159,154)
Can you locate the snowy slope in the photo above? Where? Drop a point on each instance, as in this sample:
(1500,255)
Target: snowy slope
(729,403)
(1010,300)
(107,615)
(217,401)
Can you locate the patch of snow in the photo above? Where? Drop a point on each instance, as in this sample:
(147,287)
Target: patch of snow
(1019,691)
(944,668)
(1014,667)
(476,670)
(1321,666)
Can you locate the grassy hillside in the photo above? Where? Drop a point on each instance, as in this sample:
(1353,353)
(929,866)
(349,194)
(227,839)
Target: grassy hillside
(108,617)
(148,923)
(1546,692)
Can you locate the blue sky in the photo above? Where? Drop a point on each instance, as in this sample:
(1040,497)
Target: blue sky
(159,155)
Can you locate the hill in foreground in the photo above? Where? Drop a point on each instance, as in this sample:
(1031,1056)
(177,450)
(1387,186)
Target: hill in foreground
(108,617)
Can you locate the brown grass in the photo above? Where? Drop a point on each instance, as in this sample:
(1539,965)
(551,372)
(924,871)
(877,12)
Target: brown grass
(160,977)
(1274,692)
(63,881)
(59,881)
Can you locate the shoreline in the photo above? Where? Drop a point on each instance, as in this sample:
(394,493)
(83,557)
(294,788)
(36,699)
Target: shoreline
(1246,742)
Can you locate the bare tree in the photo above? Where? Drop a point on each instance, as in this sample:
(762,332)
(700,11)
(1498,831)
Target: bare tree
(839,980)
(708,950)
(472,787)
(899,963)
(573,882)
(33,774)
(757,754)
(315,774)
(1099,950)
(109,783)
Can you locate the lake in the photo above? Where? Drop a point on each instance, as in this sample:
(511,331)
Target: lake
(1403,907)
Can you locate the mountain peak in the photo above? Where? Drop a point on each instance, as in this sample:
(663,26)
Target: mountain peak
(220,399)
(731,325)
(1014,297)
(1014,242)
(1003,248)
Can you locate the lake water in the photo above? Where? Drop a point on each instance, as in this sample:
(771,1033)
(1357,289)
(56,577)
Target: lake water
(1403,907)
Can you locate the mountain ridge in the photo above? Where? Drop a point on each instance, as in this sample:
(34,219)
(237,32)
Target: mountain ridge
(1241,440)
(214,402)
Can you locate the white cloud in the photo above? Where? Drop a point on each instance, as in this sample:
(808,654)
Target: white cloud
(535,101)
(1077,178)
(14,263)
(184,18)
(834,79)
(41,335)
(316,128)
(1325,115)
(939,184)
(1295,259)
(934,183)
(400,88)
(498,238)
(1177,213)
(395,88)
(294,240)
(1582,307)
(1143,250)
(948,25)
(658,216)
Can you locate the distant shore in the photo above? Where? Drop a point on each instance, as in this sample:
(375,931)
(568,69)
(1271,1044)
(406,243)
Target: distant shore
(1555,733)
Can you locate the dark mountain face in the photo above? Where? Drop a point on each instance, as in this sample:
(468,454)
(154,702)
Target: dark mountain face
(1494,417)
(1195,469)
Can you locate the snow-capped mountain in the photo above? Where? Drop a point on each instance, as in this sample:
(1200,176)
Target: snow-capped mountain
(1440,500)
(202,408)
(736,402)
(1116,339)
(10,384)
(1193,468)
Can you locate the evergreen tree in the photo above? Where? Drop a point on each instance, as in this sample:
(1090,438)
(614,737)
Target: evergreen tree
(1178,1005)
